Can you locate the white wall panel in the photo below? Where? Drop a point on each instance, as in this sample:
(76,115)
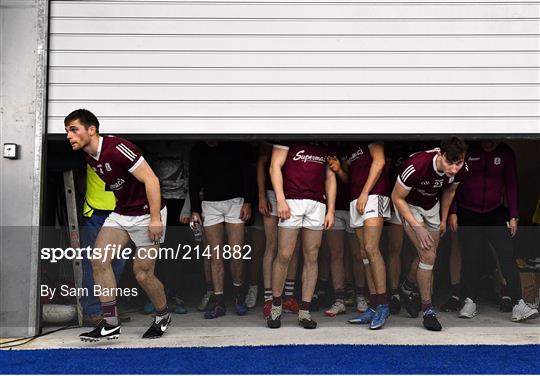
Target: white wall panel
(290,76)
(143,26)
(297,66)
(280,92)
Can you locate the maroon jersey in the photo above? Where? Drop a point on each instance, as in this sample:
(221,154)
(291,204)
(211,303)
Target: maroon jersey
(304,171)
(492,178)
(359,159)
(115,161)
(425,182)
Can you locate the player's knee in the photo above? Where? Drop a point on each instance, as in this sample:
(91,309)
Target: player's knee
(371,250)
(283,258)
(427,258)
(142,276)
(98,266)
(310,258)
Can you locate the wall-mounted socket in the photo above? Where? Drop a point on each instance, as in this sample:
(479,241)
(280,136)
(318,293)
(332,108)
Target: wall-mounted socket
(11,151)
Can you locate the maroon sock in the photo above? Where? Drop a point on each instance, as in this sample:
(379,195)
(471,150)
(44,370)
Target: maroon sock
(276,301)
(372,301)
(383,298)
(426,304)
(504,290)
(110,312)
(304,306)
(163,311)
(220,299)
(340,294)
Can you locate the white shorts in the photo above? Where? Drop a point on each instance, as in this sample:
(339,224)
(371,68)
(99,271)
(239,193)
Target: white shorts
(271,196)
(342,221)
(228,211)
(394,216)
(431,218)
(136,226)
(305,213)
(377,206)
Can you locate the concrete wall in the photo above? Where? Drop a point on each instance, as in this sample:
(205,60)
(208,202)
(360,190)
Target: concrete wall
(22,98)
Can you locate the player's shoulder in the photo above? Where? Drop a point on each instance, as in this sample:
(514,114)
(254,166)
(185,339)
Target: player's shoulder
(120,147)
(422,159)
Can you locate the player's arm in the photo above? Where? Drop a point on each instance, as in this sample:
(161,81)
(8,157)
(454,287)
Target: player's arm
(446,201)
(330,185)
(262,160)
(376,169)
(248,174)
(279,156)
(145,175)
(336,166)
(399,194)
(195,183)
(511,190)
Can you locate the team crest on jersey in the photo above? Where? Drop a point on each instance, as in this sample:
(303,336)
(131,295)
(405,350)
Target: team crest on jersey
(438,183)
(108,167)
(497,161)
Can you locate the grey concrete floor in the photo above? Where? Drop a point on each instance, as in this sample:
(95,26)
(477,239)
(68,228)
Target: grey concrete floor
(489,327)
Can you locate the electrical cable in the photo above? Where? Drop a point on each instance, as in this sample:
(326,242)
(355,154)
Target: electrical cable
(31,338)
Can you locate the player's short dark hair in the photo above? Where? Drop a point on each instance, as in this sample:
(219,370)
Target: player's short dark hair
(84,116)
(453,148)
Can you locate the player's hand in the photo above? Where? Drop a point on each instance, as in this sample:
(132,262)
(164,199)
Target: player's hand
(245,212)
(283,210)
(453,222)
(423,236)
(196,217)
(329,220)
(184,219)
(361,203)
(334,164)
(264,206)
(513,224)
(155,230)
(442,229)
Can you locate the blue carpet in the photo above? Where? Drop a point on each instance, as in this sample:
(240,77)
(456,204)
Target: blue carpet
(314,359)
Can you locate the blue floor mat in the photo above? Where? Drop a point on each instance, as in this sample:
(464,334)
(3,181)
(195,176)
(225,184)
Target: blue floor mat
(314,359)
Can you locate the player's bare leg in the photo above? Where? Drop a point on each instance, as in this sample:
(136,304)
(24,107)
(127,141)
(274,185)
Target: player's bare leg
(215,238)
(235,236)
(271,233)
(424,276)
(395,244)
(359,273)
(336,244)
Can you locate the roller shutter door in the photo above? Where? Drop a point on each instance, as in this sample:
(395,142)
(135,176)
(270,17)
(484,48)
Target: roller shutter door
(406,67)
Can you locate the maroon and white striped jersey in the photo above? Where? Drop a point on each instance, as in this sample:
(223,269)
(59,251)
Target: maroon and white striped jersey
(115,162)
(425,183)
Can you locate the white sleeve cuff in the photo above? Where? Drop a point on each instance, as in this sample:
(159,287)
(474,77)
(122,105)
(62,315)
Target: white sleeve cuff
(403,184)
(281,147)
(137,164)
